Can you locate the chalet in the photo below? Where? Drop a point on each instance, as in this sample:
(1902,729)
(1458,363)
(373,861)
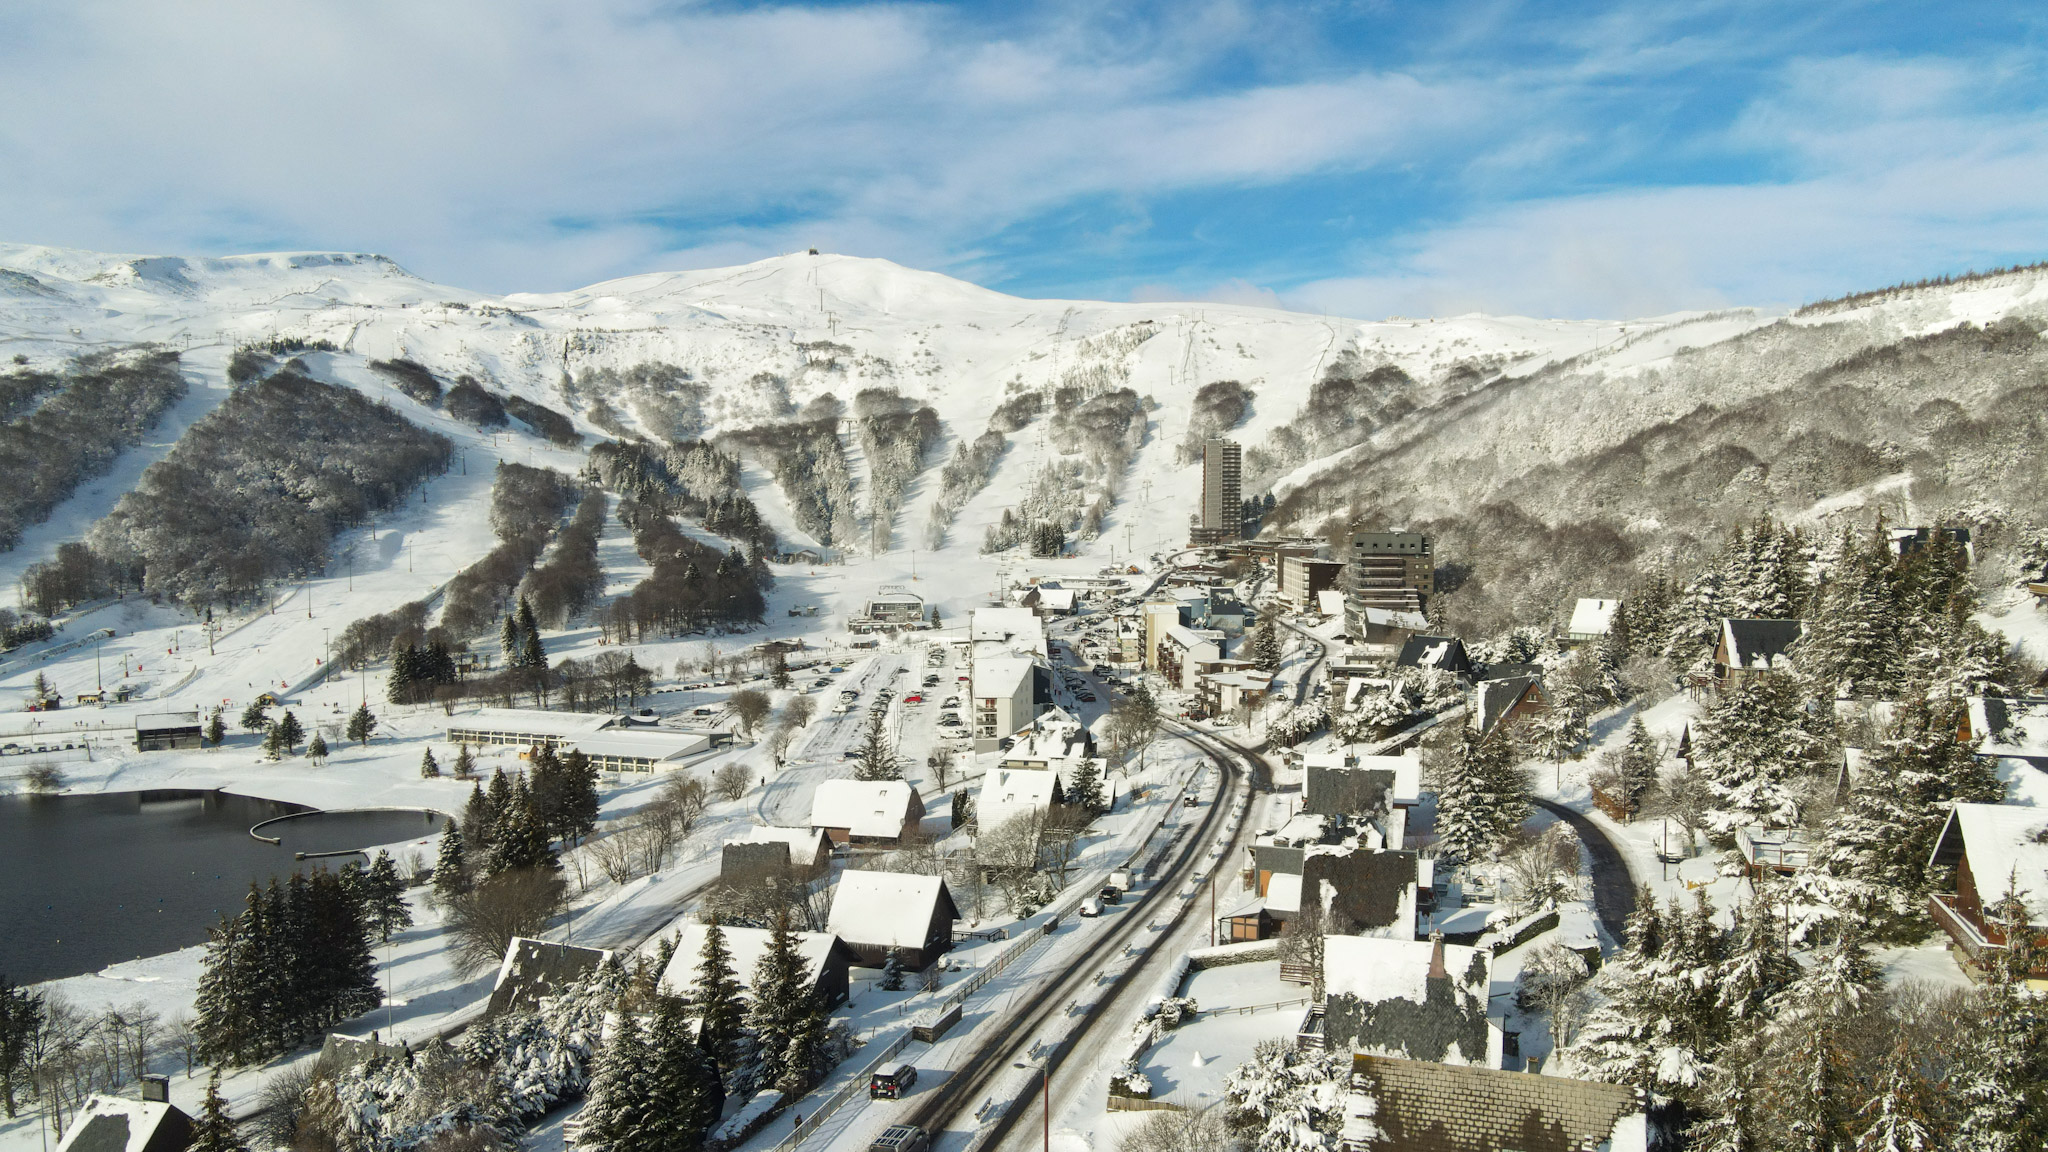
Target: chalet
(892,609)
(1415,1104)
(1773,851)
(800,556)
(1905,542)
(803,854)
(866,811)
(1007,793)
(112,1124)
(1500,704)
(524,727)
(534,970)
(1443,653)
(877,911)
(1995,850)
(168,731)
(1223,693)
(1751,648)
(1367,892)
(826,958)
(1411,999)
(1592,620)
(1363,790)
(2008,728)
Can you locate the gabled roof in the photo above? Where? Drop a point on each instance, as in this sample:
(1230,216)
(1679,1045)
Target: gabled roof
(1344,782)
(2004,843)
(112,1124)
(1593,617)
(893,909)
(2011,728)
(1444,652)
(804,844)
(534,969)
(746,946)
(1419,1106)
(1759,645)
(863,807)
(1009,792)
(1498,697)
(1000,676)
(1363,891)
(1418,999)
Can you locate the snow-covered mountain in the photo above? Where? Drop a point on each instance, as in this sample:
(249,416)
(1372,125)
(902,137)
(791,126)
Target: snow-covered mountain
(1409,420)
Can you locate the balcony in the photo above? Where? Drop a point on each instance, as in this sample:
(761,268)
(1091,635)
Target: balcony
(1941,906)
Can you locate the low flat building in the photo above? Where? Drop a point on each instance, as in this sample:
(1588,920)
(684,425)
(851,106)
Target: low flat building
(524,727)
(639,750)
(892,609)
(167,731)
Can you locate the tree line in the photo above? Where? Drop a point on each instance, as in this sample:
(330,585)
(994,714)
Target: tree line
(105,402)
(809,464)
(897,436)
(253,493)
(689,478)
(527,504)
(497,872)
(295,961)
(693,586)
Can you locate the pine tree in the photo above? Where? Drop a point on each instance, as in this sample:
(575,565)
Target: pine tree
(385,895)
(1757,746)
(577,815)
(1640,758)
(721,1012)
(256,718)
(2002,1080)
(1900,1117)
(450,873)
(1265,645)
(1564,727)
(1619,1042)
(779,996)
(216,730)
(510,644)
(213,1130)
(1481,799)
(289,732)
(1758,968)
(225,1016)
(803,1057)
(430,768)
(400,685)
(618,1104)
(1085,789)
(316,750)
(361,724)
(1850,643)
(479,827)
(684,1091)
(273,742)
(465,763)
(529,633)
(1731,1115)
(892,970)
(876,759)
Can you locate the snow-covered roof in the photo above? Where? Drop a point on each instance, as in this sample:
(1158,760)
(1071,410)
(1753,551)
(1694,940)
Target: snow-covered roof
(1405,770)
(746,946)
(2006,844)
(1019,625)
(1377,969)
(1759,645)
(804,844)
(654,747)
(1283,892)
(529,721)
(113,1124)
(1057,599)
(1008,792)
(533,969)
(1593,617)
(1496,698)
(863,807)
(892,909)
(1330,602)
(1388,617)
(1445,652)
(1001,676)
(1379,999)
(2010,728)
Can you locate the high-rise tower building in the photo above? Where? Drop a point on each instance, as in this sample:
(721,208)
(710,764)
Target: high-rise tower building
(1222,516)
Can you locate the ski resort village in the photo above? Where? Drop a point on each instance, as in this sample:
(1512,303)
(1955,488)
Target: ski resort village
(824,705)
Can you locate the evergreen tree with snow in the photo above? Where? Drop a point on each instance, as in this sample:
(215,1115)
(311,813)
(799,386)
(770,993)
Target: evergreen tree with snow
(430,768)
(361,725)
(1758,967)
(1563,728)
(450,872)
(465,762)
(684,1093)
(1731,1117)
(1758,746)
(1636,771)
(720,1010)
(876,759)
(1900,1116)
(1085,789)
(384,897)
(213,1130)
(401,683)
(2001,1081)
(256,717)
(892,970)
(225,1017)
(316,750)
(216,730)
(779,999)
(510,643)
(1850,642)
(1265,644)
(1481,798)
(618,1106)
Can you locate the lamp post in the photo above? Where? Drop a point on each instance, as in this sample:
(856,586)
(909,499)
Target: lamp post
(1045,1107)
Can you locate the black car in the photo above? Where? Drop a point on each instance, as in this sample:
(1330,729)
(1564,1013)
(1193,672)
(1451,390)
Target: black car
(901,1138)
(1110,894)
(892,1084)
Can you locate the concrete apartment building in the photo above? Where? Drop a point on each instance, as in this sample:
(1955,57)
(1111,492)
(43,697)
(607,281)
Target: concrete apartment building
(1392,570)
(1222,517)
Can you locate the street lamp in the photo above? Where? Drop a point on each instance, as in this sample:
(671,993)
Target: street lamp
(1045,1108)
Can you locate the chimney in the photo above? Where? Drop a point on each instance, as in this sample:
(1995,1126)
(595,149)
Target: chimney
(156,1089)
(1437,971)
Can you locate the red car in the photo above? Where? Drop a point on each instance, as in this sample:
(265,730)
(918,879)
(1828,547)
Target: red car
(913,698)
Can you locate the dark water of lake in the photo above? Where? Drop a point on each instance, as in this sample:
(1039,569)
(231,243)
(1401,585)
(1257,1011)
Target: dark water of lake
(88,881)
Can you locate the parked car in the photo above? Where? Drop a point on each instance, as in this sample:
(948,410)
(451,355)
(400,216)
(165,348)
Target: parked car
(913,698)
(951,702)
(892,1084)
(1091,907)
(1111,894)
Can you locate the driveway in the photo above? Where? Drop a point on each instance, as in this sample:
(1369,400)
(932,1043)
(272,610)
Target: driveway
(1614,888)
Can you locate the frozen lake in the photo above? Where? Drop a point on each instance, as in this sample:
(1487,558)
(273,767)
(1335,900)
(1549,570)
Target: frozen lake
(86,881)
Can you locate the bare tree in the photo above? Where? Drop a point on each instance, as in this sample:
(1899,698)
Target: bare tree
(733,780)
(1543,869)
(183,1038)
(483,920)
(1551,976)
(750,707)
(1683,797)
(942,766)
(1061,838)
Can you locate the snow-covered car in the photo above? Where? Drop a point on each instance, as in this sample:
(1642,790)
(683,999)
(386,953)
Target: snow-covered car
(1091,907)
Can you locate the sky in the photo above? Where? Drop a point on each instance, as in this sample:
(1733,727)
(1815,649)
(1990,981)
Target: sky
(1364,158)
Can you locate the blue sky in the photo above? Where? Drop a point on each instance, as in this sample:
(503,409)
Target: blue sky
(1364,158)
